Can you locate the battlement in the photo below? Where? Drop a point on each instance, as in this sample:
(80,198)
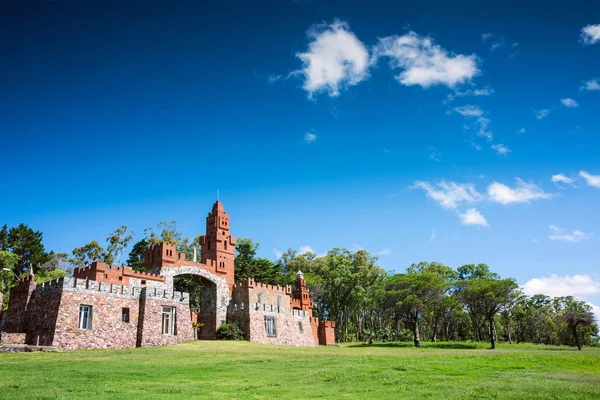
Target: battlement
(250,283)
(28,278)
(327,324)
(102,272)
(88,286)
(299,313)
(167,294)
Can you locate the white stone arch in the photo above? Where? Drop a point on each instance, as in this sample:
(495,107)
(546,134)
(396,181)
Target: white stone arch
(211,318)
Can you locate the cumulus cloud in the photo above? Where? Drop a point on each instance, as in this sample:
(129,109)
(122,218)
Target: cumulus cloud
(591,180)
(469,111)
(560,178)
(501,149)
(540,114)
(558,286)
(424,63)
(310,137)
(568,102)
(590,34)
(473,217)
(335,59)
(562,234)
(450,194)
(592,84)
(523,193)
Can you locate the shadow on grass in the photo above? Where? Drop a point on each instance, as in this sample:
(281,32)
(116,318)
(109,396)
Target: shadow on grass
(439,345)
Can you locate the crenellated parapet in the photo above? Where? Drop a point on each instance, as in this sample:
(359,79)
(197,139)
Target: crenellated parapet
(250,283)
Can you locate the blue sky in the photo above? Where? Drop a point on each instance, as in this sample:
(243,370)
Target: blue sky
(460,132)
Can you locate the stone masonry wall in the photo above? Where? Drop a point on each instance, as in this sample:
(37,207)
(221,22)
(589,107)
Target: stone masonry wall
(151,321)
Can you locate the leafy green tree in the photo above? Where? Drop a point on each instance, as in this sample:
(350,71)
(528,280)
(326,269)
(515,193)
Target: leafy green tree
(168,232)
(488,297)
(85,255)
(25,243)
(410,294)
(136,255)
(117,242)
(247,264)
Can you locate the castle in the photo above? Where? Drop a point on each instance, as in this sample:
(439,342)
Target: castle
(103,306)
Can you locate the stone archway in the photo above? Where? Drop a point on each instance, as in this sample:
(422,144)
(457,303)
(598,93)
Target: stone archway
(215,296)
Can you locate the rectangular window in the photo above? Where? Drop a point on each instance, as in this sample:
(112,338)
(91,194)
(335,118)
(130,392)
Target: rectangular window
(125,315)
(271,326)
(85,317)
(169,319)
(300,327)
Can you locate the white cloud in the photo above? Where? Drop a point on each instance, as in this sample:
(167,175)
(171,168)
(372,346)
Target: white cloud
(306,249)
(450,194)
(560,178)
(539,114)
(384,252)
(568,102)
(592,84)
(309,137)
(521,131)
(278,254)
(501,149)
(481,128)
(496,41)
(473,217)
(433,235)
(591,180)
(562,234)
(424,63)
(590,34)
(558,286)
(434,153)
(486,91)
(335,59)
(469,111)
(523,193)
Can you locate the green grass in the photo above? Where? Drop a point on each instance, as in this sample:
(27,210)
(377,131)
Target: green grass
(241,370)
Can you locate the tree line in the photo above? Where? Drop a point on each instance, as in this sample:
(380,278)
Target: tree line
(428,301)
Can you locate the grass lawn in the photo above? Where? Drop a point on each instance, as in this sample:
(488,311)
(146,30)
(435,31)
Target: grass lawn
(241,370)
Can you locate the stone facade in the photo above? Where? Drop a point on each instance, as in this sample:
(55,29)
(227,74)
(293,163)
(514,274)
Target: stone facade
(129,308)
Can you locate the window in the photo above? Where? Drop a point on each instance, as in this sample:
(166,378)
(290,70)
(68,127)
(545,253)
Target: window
(271,326)
(261,297)
(125,315)
(225,245)
(169,319)
(300,327)
(85,317)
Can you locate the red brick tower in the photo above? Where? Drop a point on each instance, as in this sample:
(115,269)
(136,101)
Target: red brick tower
(218,244)
(300,295)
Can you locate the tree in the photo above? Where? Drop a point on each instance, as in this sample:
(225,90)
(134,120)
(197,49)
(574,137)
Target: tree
(409,294)
(168,233)
(8,260)
(248,265)
(117,243)
(85,255)
(576,315)
(25,243)
(136,256)
(488,297)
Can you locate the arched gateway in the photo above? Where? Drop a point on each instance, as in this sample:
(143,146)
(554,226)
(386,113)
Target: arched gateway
(104,306)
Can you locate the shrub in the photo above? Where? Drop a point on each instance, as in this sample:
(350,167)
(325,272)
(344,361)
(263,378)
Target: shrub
(229,331)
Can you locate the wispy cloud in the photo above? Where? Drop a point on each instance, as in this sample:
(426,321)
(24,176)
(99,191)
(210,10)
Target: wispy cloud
(524,192)
(306,249)
(560,178)
(434,153)
(495,41)
(486,91)
(433,235)
(278,254)
(310,137)
(590,34)
(335,59)
(473,217)
(424,63)
(450,194)
(469,111)
(568,102)
(591,180)
(540,114)
(565,236)
(384,252)
(521,131)
(501,149)
(592,84)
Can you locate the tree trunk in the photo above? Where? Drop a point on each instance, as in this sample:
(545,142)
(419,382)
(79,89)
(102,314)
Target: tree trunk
(577,340)
(447,331)
(508,334)
(492,334)
(416,332)
(434,336)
